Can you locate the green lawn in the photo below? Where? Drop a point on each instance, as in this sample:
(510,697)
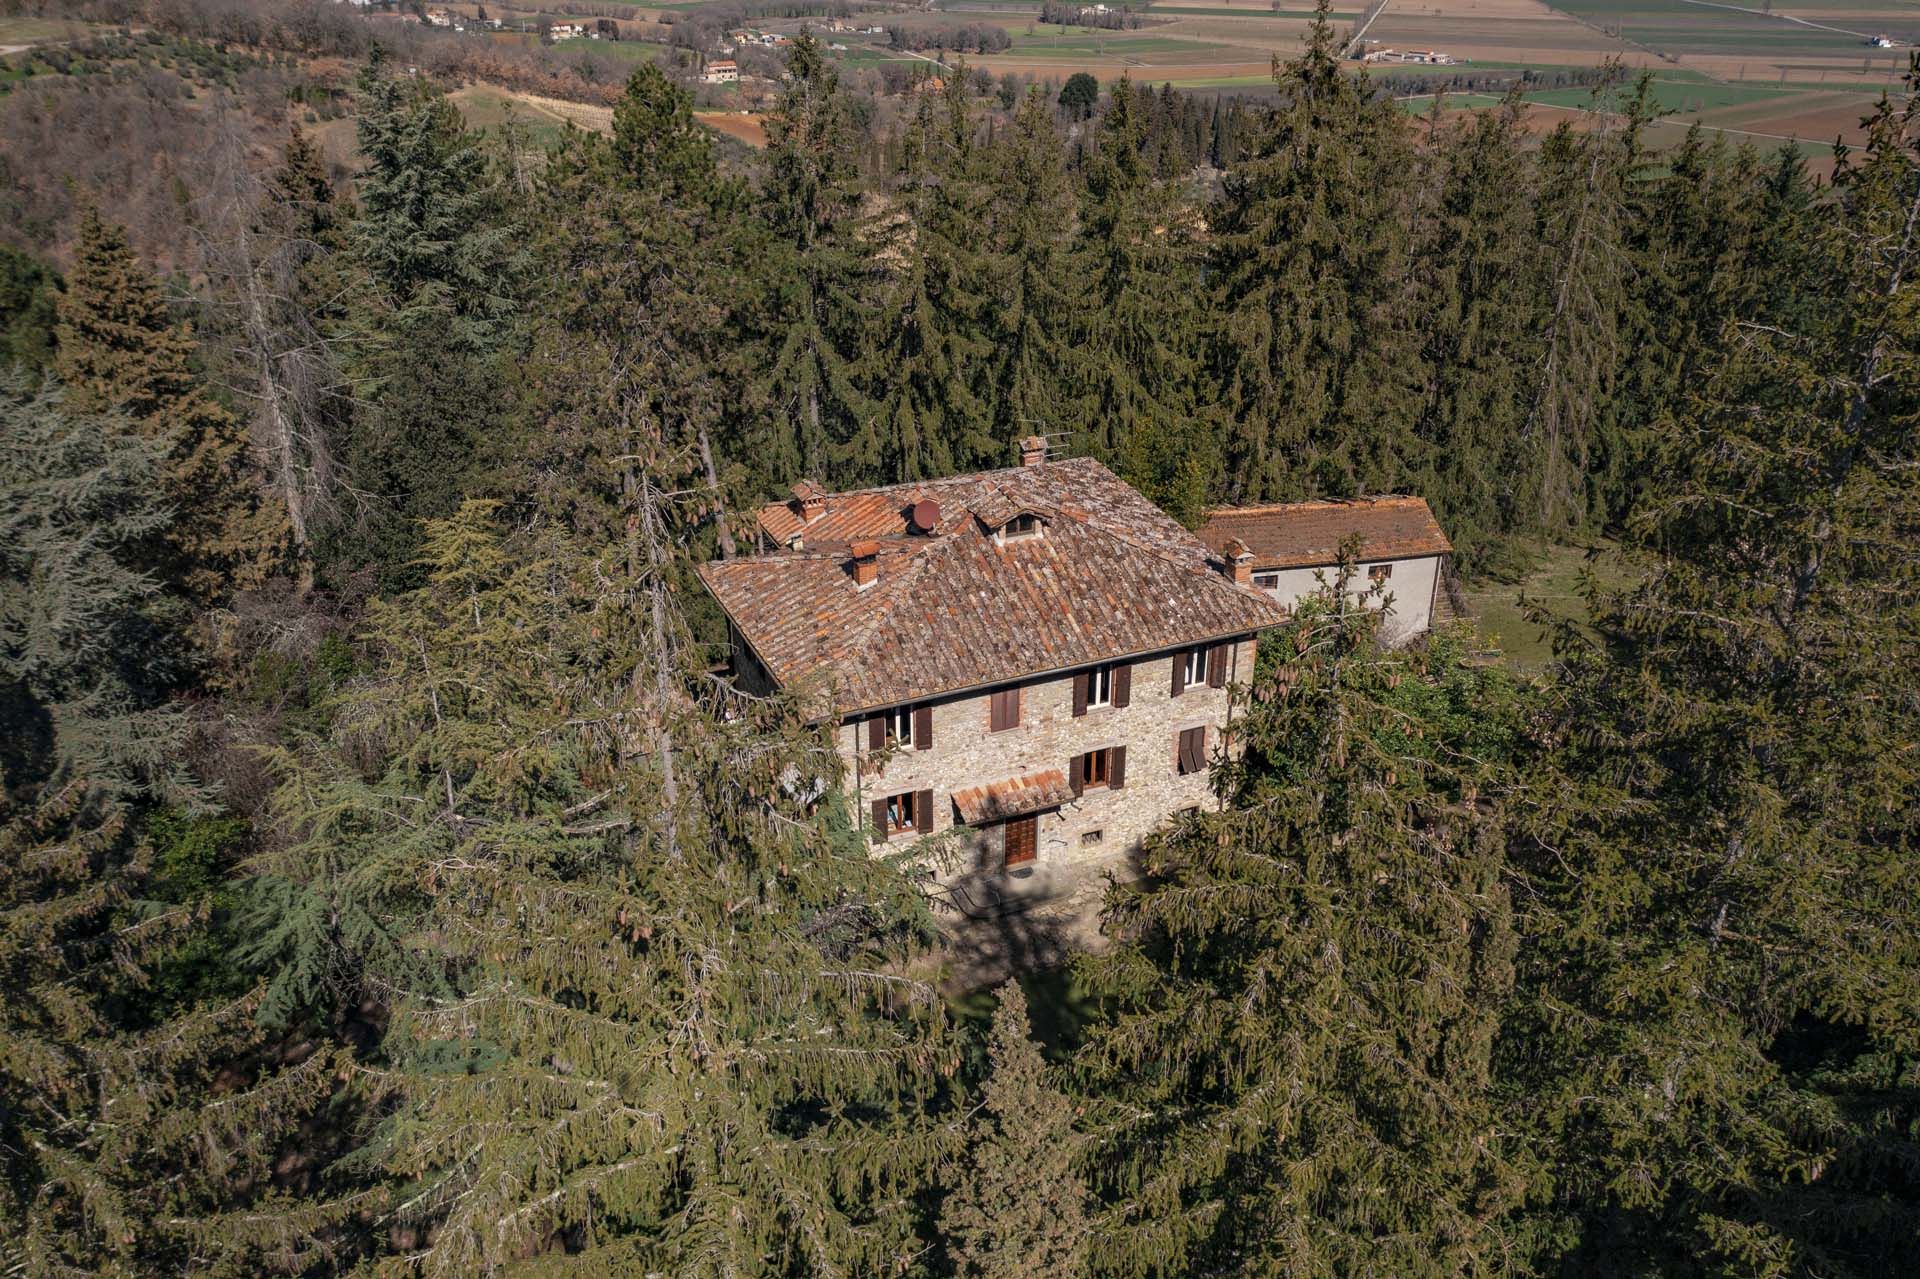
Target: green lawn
(1554,582)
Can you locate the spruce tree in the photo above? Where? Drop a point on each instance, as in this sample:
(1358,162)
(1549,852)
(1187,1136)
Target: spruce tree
(930,378)
(1140,320)
(1314,349)
(1719,856)
(434,323)
(1481,297)
(1038,289)
(118,349)
(1296,1077)
(1017,1208)
(810,310)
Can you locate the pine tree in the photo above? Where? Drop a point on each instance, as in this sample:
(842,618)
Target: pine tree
(1296,1077)
(643,1013)
(119,349)
(1721,1039)
(1018,1209)
(1315,349)
(27,292)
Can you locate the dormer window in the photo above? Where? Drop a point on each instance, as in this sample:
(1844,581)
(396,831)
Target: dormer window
(1026,524)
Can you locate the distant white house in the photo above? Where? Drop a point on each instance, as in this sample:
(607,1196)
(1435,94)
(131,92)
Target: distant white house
(566,31)
(1293,549)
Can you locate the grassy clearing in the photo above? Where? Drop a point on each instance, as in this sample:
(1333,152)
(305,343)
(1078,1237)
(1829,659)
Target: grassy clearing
(634,51)
(1554,582)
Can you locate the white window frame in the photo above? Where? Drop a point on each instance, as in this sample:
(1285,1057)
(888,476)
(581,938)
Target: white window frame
(900,725)
(1197,667)
(1267,581)
(1099,687)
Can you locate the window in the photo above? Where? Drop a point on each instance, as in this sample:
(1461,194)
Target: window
(1100,686)
(1003,710)
(1106,767)
(1091,837)
(1020,526)
(902,726)
(1191,756)
(903,813)
(1378,573)
(1196,666)
(1267,581)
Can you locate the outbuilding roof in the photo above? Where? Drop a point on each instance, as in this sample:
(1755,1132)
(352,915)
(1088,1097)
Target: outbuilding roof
(1310,534)
(957,606)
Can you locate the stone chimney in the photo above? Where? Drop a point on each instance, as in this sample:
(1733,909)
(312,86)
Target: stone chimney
(1239,562)
(811,499)
(1033,450)
(866,564)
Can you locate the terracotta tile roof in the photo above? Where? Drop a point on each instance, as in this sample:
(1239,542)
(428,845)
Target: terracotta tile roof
(1014,797)
(1303,534)
(1112,576)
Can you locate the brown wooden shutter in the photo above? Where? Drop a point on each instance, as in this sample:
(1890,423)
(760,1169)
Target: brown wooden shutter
(880,820)
(1217,666)
(923,811)
(1117,767)
(1080,693)
(877,733)
(996,712)
(1179,673)
(923,728)
(1077,774)
(1122,684)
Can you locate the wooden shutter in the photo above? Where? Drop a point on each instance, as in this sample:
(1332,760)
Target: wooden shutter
(996,712)
(923,812)
(877,732)
(1179,673)
(1217,665)
(1122,684)
(1077,774)
(1117,767)
(923,728)
(880,820)
(1080,693)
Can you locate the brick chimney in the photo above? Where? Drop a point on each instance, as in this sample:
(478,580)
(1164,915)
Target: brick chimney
(1033,451)
(812,500)
(866,564)
(1239,562)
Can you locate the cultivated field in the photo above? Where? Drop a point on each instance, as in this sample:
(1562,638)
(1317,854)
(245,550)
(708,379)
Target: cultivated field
(1803,72)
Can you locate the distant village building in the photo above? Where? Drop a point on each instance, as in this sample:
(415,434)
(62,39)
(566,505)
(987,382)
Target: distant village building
(1035,663)
(439,18)
(721,72)
(1293,548)
(1424,57)
(566,31)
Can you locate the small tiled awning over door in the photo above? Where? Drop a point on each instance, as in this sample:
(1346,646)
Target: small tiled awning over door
(1014,797)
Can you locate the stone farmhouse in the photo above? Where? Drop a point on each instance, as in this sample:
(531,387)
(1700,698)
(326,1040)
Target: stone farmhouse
(1037,657)
(1294,547)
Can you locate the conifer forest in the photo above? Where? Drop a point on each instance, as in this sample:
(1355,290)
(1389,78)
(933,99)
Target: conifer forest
(392,883)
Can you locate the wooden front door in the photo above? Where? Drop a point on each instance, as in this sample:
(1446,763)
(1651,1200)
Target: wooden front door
(1023,839)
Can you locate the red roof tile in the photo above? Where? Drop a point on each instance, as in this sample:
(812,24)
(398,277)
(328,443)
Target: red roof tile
(1309,534)
(1014,797)
(1112,576)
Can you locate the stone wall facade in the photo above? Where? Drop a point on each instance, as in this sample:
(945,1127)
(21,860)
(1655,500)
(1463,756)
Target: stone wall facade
(1103,821)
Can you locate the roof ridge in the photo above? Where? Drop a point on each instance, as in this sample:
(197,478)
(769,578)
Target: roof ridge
(1384,499)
